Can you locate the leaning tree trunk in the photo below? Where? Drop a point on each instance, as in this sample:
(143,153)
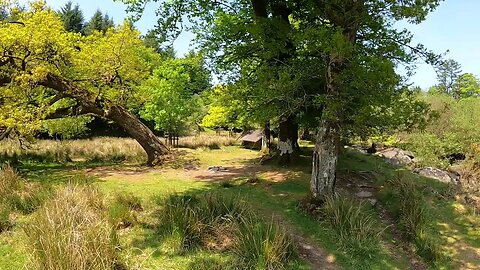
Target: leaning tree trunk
(152,145)
(325,159)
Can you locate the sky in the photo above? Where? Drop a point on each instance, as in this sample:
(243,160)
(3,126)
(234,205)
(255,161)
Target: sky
(454,26)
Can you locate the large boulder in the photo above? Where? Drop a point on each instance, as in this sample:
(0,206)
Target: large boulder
(437,174)
(396,156)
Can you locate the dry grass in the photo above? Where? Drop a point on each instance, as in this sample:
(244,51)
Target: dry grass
(72,232)
(206,141)
(104,149)
(93,150)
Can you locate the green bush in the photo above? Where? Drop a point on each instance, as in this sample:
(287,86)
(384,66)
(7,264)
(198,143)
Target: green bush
(72,232)
(354,222)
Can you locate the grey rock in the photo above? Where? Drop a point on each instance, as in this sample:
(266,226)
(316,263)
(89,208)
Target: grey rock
(216,169)
(437,174)
(364,194)
(396,156)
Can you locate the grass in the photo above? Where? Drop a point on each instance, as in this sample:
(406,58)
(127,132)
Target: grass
(354,223)
(450,226)
(70,232)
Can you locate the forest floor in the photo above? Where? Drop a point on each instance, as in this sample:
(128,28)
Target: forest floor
(275,193)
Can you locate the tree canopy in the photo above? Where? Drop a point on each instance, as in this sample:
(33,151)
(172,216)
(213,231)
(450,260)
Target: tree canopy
(47,72)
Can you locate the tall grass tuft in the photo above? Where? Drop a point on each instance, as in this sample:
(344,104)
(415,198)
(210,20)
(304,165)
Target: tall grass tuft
(5,222)
(258,245)
(122,211)
(72,232)
(217,222)
(355,224)
(412,218)
(19,195)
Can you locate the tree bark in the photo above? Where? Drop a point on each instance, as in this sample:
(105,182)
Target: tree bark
(266,139)
(346,17)
(287,140)
(152,145)
(325,159)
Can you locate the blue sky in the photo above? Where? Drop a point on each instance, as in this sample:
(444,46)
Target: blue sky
(454,26)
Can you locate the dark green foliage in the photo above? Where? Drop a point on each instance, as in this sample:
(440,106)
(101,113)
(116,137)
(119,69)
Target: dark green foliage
(98,22)
(72,17)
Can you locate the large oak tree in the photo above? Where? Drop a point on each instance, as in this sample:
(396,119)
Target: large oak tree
(338,56)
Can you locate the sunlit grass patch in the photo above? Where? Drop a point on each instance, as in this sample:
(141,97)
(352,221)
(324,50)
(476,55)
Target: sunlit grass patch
(72,232)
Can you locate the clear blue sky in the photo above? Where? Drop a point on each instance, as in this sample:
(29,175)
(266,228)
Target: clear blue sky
(454,26)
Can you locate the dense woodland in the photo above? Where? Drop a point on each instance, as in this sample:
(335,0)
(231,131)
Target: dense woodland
(118,153)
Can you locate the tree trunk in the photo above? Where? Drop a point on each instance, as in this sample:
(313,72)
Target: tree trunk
(287,140)
(346,16)
(325,159)
(266,137)
(152,145)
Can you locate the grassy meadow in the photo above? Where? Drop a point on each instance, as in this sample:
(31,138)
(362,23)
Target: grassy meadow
(91,202)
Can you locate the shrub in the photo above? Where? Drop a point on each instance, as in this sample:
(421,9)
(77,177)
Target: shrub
(354,223)
(71,232)
(262,246)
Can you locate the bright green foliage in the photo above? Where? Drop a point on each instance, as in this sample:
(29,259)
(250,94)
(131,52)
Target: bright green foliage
(67,127)
(452,129)
(105,68)
(72,17)
(467,85)
(171,94)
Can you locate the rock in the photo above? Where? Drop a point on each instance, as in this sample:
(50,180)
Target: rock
(396,156)
(364,194)
(437,174)
(373,202)
(190,167)
(216,169)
